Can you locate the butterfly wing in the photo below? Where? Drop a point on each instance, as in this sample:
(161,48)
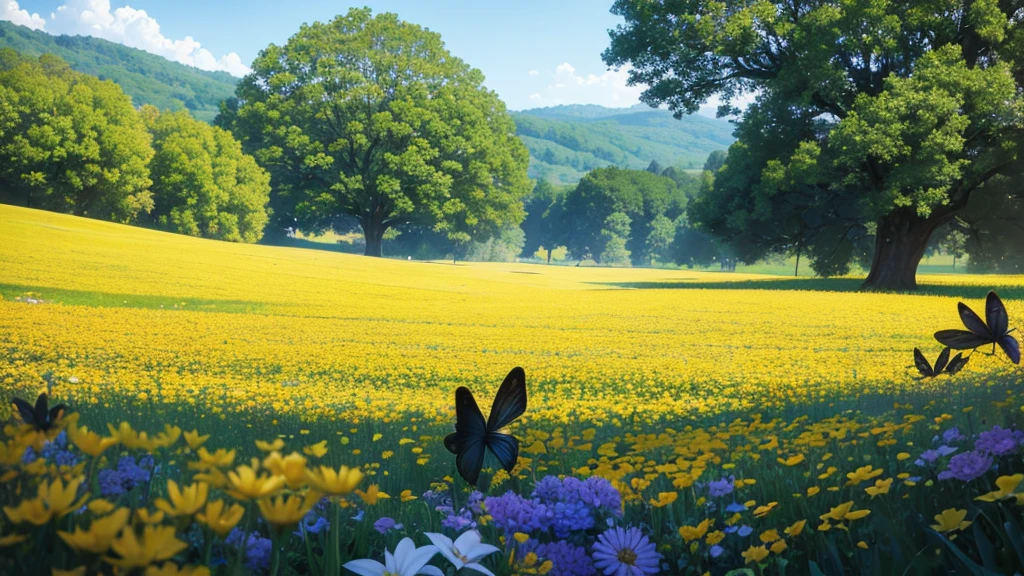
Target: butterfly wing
(41,413)
(468,441)
(941,361)
(960,339)
(505,448)
(470,459)
(957,363)
(28,415)
(974,323)
(510,402)
(922,364)
(995,315)
(56,413)
(1011,347)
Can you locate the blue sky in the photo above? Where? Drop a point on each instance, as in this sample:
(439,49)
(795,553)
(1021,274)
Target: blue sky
(533,52)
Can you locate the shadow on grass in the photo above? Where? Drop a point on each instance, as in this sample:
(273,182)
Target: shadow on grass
(108,300)
(339,247)
(820,285)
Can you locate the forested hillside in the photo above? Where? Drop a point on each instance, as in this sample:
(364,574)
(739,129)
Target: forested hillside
(147,78)
(565,142)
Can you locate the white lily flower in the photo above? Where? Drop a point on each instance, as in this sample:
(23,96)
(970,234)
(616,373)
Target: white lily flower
(408,560)
(465,551)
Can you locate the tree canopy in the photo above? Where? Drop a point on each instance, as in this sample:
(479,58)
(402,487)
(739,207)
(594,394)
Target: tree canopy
(70,142)
(871,118)
(372,117)
(203,185)
(635,197)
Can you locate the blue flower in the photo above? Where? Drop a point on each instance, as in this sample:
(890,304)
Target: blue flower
(716,551)
(735,508)
(745,531)
(625,553)
(566,559)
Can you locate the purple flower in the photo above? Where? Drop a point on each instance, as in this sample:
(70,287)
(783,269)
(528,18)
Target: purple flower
(952,435)
(946,450)
(721,487)
(999,441)
(625,553)
(745,531)
(566,559)
(513,513)
(967,466)
(386,524)
(460,521)
(930,456)
(716,551)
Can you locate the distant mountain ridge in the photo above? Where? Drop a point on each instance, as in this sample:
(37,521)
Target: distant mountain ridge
(567,141)
(147,78)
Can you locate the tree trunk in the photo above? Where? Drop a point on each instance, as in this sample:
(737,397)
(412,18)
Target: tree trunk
(900,243)
(797,271)
(373,232)
(549,256)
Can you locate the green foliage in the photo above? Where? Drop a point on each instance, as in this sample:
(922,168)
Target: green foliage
(371,117)
(504,247)
(543,217)
(615,233)
(70,142)
(565,142)
(637,194)
(886,132)
(147,78)
(203,185)
(995,228)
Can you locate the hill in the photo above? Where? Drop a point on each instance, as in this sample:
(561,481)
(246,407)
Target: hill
(147,78)
(564,141)
(567,141)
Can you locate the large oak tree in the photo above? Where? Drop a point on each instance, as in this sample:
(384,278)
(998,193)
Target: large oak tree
(371,117)
(874,117)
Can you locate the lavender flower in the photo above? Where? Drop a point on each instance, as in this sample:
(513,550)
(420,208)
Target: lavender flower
(625,553)
(967,466)
(722,487)
(999,441)
(385,524)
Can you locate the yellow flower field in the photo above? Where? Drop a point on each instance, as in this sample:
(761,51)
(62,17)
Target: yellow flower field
(173,319)
(735,420)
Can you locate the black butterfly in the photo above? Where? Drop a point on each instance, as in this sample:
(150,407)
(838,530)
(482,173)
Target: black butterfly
(472,434)
(39,417)
(994,330)
(942,363)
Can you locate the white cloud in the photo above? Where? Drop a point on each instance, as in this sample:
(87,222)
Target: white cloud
(124,25)
(566,86)
(10,11)
(533,73)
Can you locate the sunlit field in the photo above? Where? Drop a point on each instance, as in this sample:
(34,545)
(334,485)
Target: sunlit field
(743,420)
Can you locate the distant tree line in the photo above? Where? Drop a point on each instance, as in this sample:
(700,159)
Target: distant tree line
(72,143)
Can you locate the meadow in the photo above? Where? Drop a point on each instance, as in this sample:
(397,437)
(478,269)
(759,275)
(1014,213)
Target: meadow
(738,421)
